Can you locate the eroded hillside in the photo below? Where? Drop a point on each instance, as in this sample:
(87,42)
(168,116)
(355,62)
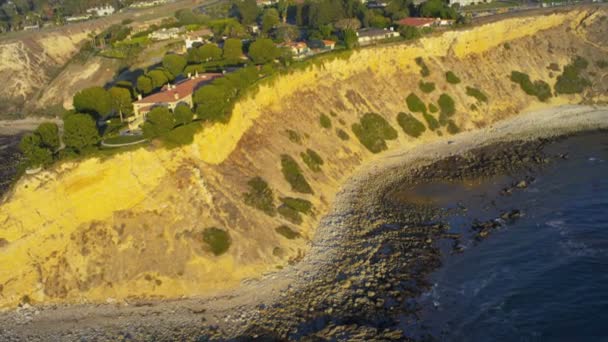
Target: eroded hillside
(134,226)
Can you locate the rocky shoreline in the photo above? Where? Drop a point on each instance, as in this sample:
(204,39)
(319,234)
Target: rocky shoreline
(370,259)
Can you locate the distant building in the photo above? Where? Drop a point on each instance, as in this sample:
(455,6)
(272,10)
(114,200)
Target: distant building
(263,3)
(166,33)
(151,3)
(298,49)
(371,35)
(376,4)
(463,3)
(322,45)
(78,18)
(418,22)
(31,27)
(169,96)
(196,38)
(101,11)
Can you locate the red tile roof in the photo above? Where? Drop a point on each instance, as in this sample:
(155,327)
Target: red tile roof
(417,22)
(179,90)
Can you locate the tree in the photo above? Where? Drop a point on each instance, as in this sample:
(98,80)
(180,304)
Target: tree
(144,84)
(287,33)
(246,10)
(350,39)
(174,64)
(270,19)
(95,101)
(283,7)
(409,32)
(233,50)
(158,77)
(212,101)
(79,132)
(437,8)
(209,52)
(121,101)
(263,51)
(34,154)
(183,114)
(348,24)
(159,122)
(49,136)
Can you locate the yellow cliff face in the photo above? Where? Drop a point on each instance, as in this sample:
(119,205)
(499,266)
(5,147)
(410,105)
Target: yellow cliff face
(130,226)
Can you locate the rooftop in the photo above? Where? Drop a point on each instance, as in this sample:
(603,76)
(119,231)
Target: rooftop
(417,22)
(172,93)
(372,32)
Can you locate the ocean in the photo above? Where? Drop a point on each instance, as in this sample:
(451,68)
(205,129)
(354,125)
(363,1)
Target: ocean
(542,276)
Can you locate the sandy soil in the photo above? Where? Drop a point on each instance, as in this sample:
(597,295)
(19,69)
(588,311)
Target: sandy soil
(228,314)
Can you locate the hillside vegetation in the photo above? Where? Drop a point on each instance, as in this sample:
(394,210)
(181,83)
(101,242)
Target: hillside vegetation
(245,197)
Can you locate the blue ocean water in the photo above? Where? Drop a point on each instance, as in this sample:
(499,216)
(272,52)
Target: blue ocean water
(543,277)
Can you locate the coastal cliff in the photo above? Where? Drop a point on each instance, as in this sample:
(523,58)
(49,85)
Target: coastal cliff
(129,227)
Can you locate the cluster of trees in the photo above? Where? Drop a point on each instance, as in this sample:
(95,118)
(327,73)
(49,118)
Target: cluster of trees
(160,121)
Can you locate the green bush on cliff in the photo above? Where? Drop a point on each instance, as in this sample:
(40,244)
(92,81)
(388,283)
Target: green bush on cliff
(451,78)
(293,136)
(293,175)
(298,204)
(424,70)
(290,214)
(342,134)
(373,131)
(410,125)
(430,121)
(452,128)
(432,108)
(217,240)
(312,159)
(539,88)
(287,232)
(260,196)
(477,94)
(426,87)
(447,105)
(415,104)
(602,64)
(325,121)
(182,135)
(571,81)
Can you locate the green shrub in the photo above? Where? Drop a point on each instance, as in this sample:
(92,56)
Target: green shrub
(473,107)
(410,125)
(571,81)
(373,131)
(287,232)
(325,121)
(260,196)
(301,205)
(415,104)
(333,114)
(426,87)
(507,46)
(342,134)
(452,128)
(554,67)
(478,94)
(181,136)
(539,88)
(424,70)
(217,239)
(293,175)
(447,105)
(312,159)
(290,214)
(432,108)
(452,78)
(431,121)
(293,136)
(602,64)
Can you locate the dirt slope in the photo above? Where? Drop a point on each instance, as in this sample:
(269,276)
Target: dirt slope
(130,227)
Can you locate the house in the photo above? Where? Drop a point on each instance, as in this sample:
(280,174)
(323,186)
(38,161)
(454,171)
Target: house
(196,38)
(463,3)
(101,11)
(151,3)
(298,49)
(376,4)
(264,3)
(31,27)
(418,22)
(321,45)
(166,33)
(371,35)
(169,96)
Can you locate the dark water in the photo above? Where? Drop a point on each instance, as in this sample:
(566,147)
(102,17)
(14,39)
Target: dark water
(543,277)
